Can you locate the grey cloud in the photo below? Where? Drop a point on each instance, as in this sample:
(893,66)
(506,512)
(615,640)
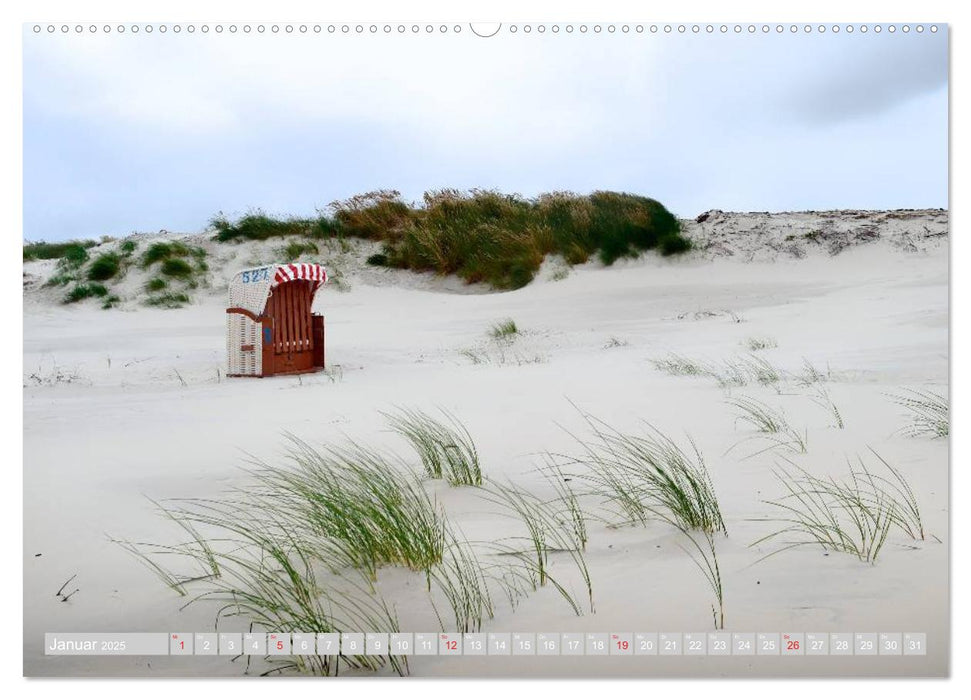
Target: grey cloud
(868,81)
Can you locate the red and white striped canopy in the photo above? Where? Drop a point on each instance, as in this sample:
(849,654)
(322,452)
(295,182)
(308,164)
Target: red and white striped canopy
(300,271)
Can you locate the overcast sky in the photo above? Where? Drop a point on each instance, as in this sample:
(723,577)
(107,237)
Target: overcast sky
(144,132)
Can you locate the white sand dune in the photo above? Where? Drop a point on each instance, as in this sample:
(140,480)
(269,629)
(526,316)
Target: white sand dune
(125,405)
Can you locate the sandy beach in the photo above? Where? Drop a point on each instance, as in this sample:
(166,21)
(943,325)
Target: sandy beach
(129,405)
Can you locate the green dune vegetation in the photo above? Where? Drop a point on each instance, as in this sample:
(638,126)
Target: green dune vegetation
(179,268)
(481,235)
(83,276)
(71,250)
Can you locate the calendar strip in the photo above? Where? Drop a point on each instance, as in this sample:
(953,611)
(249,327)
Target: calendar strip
(489,644)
